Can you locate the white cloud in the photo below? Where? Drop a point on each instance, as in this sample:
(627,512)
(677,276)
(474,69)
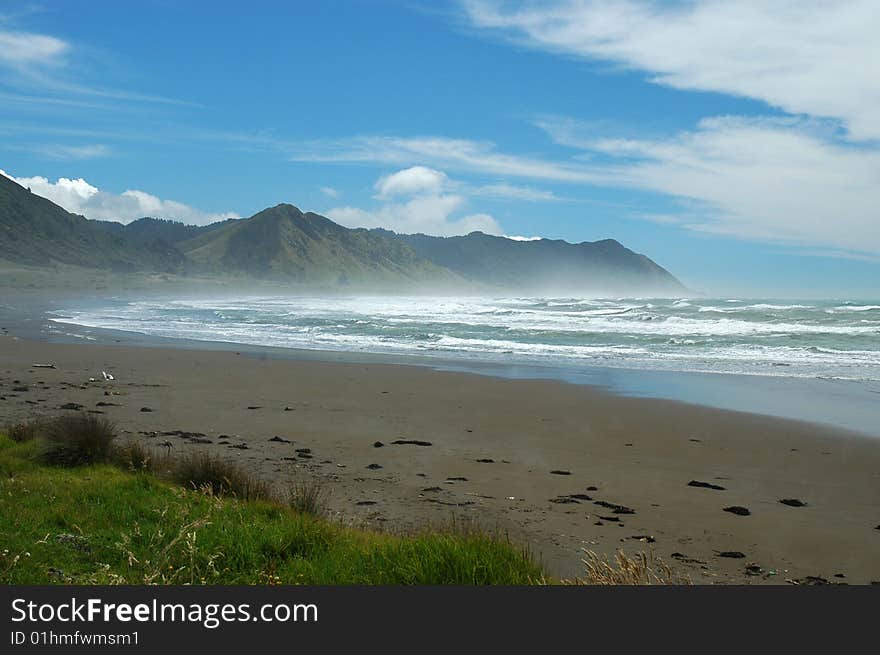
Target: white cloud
(426,208)
(80,197)
(330,192)
(816,57)
(514,237)
(416,179)
(20,49)
(777,180)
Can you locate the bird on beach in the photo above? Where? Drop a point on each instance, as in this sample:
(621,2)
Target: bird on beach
(107,376)
(167,445)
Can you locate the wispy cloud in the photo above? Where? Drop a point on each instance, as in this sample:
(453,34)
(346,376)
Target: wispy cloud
(65,152)
(441,152)
(777,180)
(25,49)
(810,179)
(38,68)
(80,197)
(513,192)
(816,57)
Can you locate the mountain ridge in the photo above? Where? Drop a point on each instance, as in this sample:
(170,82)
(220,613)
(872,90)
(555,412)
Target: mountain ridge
(283,243)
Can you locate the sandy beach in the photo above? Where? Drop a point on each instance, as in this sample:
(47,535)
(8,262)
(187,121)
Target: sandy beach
(557,467)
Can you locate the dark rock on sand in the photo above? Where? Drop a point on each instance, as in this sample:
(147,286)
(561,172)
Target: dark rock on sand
(378,444)
(457,479)
(486,460)
(255,407)
(592,488)
(365,502)
(705,485)
(564,500)
(240,446)
(681,557)
(431,489)
(732,554)
(103,404)
(278,439)
(374,467)
(146,409)
(560,472)
(812,580)
(20,389)
(304,451)
(580,496)
(754,569)
(73,406)
(443,502)
(617,509)
(610,518)
(411,442)
(739,511)
(792,502)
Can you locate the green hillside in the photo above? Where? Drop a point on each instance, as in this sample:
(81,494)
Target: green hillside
(36,232)
(546,265)
(283,242)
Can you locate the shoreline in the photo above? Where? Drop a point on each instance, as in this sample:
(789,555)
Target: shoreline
(834,403)
(621,453)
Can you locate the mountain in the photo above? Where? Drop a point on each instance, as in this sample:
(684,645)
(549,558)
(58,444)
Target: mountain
(37,232)
(282,242)
(546,265)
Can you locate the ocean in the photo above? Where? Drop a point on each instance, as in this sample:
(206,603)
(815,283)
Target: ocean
(829,339)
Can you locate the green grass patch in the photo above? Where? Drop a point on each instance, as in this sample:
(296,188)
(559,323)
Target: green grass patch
(105,524)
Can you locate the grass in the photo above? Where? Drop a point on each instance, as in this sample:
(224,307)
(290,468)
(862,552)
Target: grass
(24,430)
(106,523)
(308,497)
(76,439)
(218,477)
(638,569)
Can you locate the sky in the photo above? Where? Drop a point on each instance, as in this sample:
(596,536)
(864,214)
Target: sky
(736,144)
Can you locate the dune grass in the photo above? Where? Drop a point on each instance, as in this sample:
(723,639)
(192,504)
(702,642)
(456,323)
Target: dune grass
(75,439)
(106,523)
(638,569)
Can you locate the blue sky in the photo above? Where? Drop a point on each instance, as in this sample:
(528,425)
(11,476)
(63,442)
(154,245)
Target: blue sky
(737,144)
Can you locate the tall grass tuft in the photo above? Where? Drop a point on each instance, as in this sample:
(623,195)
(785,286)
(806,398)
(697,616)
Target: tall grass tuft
(219,476)
(77,439)
(24,430)
(134,456)
(308,497)
(639,569)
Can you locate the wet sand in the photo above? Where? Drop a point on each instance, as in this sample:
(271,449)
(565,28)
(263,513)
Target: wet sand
(558,467)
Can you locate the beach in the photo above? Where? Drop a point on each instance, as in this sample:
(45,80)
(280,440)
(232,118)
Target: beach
(556,467)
